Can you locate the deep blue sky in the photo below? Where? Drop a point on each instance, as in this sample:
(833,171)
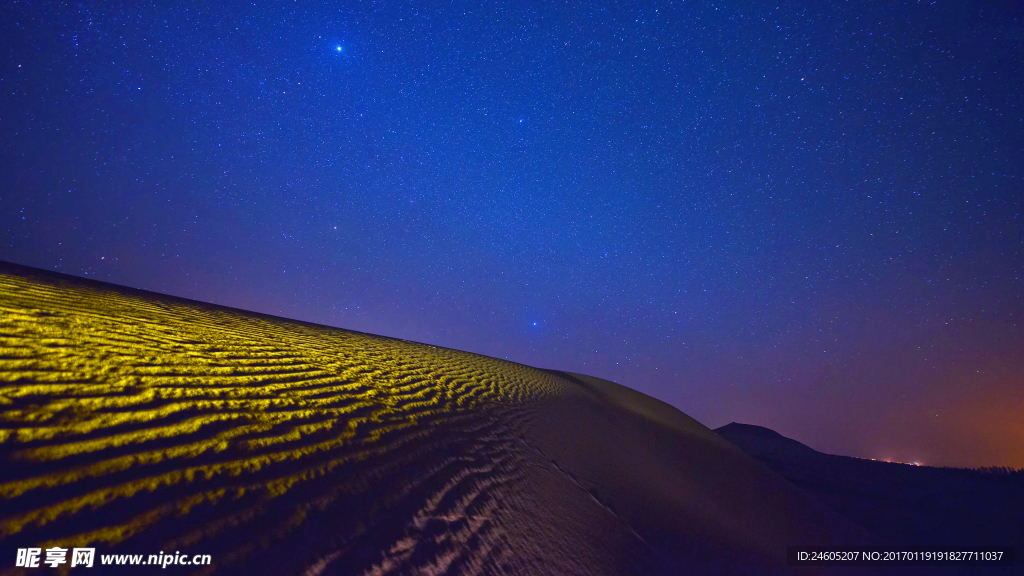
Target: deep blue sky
(806,217)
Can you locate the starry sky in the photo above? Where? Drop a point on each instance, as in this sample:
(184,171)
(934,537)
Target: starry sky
(805,216)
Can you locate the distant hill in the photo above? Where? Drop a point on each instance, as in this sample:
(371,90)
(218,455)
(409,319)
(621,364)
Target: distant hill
(906,504)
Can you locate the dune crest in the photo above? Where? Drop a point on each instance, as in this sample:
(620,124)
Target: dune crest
(137,423)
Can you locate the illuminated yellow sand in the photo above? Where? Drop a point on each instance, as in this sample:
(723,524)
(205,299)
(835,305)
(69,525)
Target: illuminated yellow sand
(139,423)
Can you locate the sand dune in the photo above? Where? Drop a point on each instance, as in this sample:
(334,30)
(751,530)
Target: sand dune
(139,423)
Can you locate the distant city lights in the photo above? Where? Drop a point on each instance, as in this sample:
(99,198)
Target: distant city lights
(892,461)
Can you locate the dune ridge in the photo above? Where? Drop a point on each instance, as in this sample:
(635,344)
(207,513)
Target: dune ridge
(137,422)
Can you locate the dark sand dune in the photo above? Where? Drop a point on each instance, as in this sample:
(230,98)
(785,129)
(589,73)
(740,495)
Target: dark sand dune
(910,505)
(139,423)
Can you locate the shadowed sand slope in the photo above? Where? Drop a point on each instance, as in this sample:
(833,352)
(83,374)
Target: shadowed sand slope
(139,423)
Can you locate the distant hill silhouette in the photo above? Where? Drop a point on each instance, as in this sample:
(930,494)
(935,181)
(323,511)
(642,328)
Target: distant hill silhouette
(902,503)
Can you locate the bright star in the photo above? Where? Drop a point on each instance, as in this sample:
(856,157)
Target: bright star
(338,48)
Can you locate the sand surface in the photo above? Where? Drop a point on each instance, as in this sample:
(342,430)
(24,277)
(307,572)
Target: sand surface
(139,423)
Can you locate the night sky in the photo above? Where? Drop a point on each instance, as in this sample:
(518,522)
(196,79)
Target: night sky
(807,217)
